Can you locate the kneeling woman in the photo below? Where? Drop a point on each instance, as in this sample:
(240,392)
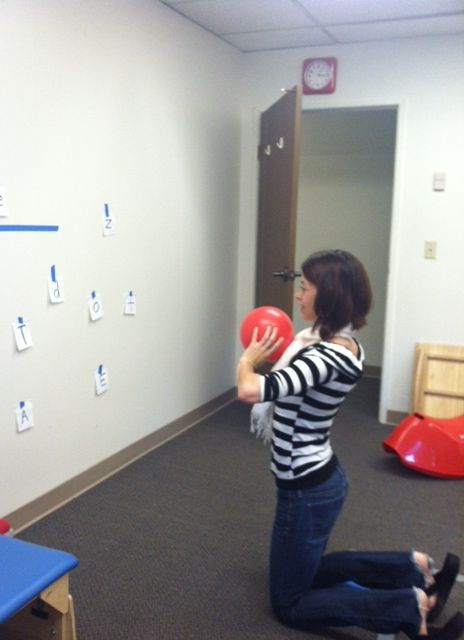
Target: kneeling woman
(385,592)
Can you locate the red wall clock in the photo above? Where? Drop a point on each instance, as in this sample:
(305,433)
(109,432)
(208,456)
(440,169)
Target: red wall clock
(319,75)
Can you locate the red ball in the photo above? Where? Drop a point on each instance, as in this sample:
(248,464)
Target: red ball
(4,526)
(264,317)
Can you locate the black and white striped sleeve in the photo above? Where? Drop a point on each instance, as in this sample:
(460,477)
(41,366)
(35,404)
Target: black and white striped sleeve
(305,371)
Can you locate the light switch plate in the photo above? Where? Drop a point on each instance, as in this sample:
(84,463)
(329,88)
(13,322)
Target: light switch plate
(430,249)
(439,181)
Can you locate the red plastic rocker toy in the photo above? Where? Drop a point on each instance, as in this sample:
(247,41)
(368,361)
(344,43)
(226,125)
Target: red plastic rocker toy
(434,446)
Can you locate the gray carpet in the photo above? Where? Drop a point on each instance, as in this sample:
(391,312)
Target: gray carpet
(175,546)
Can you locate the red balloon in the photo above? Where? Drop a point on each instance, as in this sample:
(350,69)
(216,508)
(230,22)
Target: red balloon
(264,317)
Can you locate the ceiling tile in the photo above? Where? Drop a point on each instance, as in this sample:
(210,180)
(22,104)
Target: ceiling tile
(284,39)
(349,11)
(173,2)
(227,16)
(392,29)
(254,25)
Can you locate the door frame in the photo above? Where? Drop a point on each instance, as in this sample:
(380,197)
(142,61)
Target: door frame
(246,268)
(388,368)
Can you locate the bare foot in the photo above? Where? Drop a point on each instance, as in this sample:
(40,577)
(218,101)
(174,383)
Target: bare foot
(425,604)
(422,561)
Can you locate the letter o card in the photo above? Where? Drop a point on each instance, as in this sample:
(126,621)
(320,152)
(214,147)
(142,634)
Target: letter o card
(95,306)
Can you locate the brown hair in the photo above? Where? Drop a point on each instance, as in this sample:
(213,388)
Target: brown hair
(344,292)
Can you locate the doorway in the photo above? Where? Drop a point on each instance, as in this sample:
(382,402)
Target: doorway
(347,160)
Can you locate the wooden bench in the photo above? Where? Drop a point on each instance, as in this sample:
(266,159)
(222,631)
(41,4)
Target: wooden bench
(35,603)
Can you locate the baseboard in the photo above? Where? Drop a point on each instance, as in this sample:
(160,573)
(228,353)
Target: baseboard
(37,509)
(371,371)
(394,417)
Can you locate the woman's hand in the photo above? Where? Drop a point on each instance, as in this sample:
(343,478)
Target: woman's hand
(258,351)
(249,382)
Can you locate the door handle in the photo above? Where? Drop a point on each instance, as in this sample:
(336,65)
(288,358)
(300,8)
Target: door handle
(286,274)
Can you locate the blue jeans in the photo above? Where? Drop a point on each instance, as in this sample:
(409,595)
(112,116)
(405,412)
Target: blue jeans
(309,589)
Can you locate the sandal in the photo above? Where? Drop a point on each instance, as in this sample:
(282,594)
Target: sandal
(444,581)
(452,630)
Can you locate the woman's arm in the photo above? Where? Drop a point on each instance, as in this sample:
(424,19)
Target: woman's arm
(248,381)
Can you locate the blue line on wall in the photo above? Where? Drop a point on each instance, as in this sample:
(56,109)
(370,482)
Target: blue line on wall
(28,227)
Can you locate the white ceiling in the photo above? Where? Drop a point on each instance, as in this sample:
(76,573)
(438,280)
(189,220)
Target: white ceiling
(261,25)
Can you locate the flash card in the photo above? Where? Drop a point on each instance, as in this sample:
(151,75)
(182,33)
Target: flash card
(102,382)
(130,307)
(4,211)
(55,286)
(22,334)
(95,306)
(24,416)
(108,222)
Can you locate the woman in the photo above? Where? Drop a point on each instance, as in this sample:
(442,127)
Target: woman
(385,592)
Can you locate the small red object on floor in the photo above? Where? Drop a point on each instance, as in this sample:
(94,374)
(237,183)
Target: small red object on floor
(4,526)
(434,446)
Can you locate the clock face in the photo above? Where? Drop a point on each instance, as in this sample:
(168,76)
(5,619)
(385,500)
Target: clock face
(319,75)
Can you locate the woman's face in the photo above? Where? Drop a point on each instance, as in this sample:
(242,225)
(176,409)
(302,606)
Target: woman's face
(306,297)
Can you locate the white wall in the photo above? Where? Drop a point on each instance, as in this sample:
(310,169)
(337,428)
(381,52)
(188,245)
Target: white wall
(126,102)
(421,76)
(121,102)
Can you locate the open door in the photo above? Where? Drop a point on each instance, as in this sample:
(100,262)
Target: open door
(277,204)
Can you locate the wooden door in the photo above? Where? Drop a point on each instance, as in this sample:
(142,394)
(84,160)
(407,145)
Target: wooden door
(277,205)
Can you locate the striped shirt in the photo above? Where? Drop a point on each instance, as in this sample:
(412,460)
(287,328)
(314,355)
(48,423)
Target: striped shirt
(307,395)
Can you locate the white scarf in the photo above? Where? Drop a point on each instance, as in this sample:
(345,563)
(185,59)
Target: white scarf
(262,412)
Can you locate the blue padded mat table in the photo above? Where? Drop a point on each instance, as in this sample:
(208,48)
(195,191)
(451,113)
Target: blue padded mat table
(27,569)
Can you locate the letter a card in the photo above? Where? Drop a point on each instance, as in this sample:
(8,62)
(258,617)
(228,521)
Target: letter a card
(24,416)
